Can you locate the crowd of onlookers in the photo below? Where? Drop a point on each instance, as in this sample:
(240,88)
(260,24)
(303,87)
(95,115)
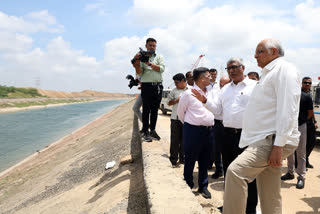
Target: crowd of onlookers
(244,125)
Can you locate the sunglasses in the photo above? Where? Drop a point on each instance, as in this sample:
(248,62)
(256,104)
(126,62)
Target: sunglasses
(233,67)
(307,83)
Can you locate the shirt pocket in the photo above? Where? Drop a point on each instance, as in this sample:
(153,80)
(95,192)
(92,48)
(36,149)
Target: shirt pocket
(243,98)
(257,95)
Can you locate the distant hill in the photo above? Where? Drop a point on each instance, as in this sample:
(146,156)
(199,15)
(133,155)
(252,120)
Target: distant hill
(13,92)
(85,93)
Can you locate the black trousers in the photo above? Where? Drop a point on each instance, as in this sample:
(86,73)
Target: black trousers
(311,138)
(151,94)
(217,144)
(176,145)
(230,151)
(197,141)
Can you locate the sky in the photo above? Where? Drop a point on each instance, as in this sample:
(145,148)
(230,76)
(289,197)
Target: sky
(80,45)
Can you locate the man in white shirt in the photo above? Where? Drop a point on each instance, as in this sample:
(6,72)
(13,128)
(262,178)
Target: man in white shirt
(270,130)
(189,77)
(197,131)
(231,103)
(176,145)
(218,132)
(213,83)
(213,89)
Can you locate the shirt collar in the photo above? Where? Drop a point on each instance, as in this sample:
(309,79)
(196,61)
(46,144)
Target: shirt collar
(245,81)
(199,89)
(213,83)
(271,64)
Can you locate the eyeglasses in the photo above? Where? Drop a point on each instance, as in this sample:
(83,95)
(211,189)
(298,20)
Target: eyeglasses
(307,83)
(233,67)
(208,76)
(259,52)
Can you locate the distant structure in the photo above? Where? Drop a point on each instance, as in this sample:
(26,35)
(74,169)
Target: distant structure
(37,82)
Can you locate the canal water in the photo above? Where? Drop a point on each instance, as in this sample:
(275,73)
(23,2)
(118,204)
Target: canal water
(23,133)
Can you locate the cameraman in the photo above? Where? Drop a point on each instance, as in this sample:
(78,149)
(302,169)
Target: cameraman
(151,88)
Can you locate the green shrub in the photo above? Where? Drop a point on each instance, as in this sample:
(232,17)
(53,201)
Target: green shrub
(18,92)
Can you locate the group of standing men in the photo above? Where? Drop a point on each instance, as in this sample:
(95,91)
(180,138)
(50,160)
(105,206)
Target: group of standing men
(253,124)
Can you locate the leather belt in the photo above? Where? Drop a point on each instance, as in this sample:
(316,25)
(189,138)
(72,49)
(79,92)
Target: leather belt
(152,83)
(232,130)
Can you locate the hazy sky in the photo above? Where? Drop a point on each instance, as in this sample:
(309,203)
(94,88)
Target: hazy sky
(76,45)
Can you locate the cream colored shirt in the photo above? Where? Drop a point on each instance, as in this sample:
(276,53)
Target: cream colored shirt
(273,107)
(173,95)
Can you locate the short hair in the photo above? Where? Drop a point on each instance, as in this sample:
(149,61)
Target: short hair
(179,77)
(213,70)
(235,59)
(198,72)
(255,73)
(305,78)
(151,40)
(188,74)
(274,43)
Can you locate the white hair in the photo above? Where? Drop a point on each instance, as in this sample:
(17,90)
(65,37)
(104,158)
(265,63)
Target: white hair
(235,59)
(274,43)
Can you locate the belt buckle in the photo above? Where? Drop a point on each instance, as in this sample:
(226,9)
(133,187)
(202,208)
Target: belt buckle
(235,131)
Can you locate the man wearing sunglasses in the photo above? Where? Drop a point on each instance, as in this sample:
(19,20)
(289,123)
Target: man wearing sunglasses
(270,132)
(311,123)
(305,114)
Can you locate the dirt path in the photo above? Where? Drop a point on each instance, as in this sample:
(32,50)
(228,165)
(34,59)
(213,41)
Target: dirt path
(305,201)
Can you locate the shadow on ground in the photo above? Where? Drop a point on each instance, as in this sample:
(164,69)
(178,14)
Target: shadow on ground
(314,203)
(137,199)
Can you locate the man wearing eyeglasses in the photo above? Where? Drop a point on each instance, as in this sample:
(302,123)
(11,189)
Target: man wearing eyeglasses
(176,145)
(270,132)
(231,103)
(305,114)
(197,131)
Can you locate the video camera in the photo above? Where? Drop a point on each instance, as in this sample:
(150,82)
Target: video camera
(144,56)
(132,82)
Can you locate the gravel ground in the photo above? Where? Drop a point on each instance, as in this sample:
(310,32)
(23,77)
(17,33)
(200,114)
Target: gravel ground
(107,144)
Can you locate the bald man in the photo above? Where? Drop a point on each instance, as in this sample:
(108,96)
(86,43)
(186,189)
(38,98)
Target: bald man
(270,132)
(224,80)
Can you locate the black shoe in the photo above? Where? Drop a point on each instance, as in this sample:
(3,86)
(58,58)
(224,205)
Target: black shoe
(287,176)
(147,137)
(205,193)
(300,184)
(216,175)
(154,135)
(308,165)
(220,209)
